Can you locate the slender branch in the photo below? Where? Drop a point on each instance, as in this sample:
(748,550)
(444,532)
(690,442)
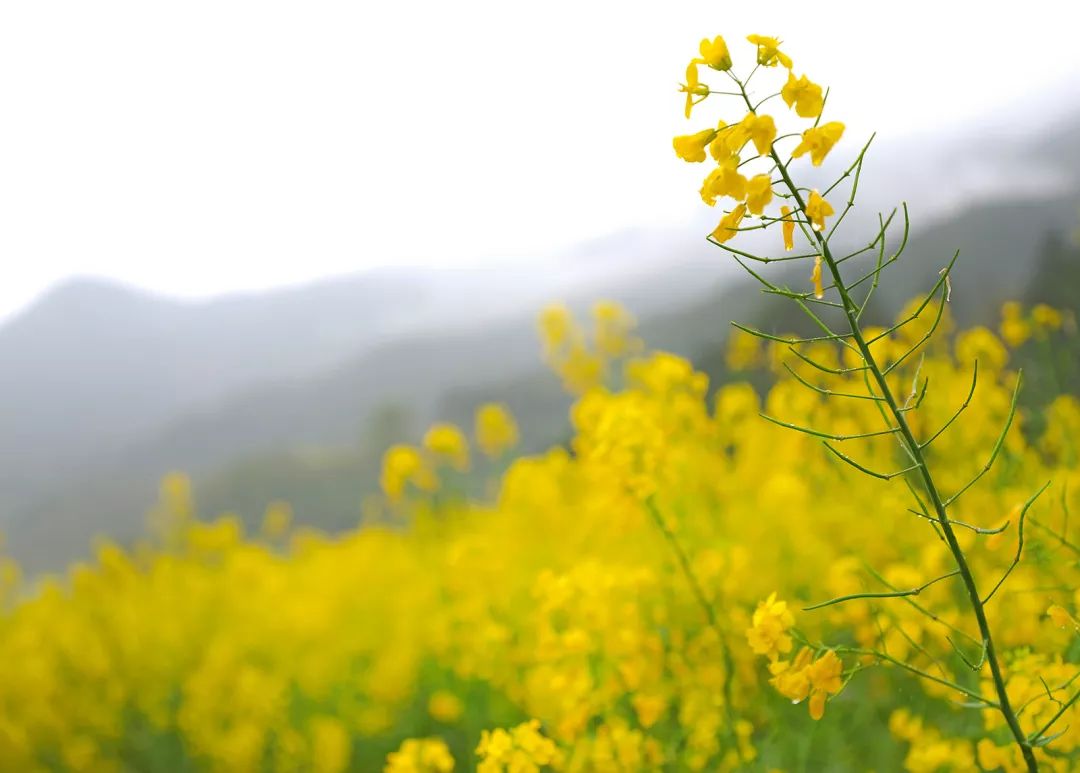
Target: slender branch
(1019,542)
(882,595)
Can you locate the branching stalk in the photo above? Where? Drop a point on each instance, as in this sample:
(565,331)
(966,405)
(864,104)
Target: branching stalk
(914,449)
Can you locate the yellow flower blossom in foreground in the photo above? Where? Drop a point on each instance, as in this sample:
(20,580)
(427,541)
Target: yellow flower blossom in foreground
(768,51)
(818,141)
(805,677)
(721,148)
(496,431)
(817,209)
(729,224)
(759,129)
(815,277)
(725,180)
(758,193)
(691,147)
(693,88)
(804,95)
(715,54)
(788,228)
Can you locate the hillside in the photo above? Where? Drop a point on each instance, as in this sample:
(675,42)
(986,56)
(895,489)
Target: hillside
(275,394)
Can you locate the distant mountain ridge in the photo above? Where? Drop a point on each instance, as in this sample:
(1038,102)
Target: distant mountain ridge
(104,388)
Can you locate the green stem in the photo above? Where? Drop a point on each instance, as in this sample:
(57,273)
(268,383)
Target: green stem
(913,447)
(710,613)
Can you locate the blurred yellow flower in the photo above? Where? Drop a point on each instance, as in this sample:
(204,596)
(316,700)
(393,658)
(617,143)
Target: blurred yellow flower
(446,443)
(445,707)
(768,634)
(1046,317)
(420,755)
(403,465)
(496,431)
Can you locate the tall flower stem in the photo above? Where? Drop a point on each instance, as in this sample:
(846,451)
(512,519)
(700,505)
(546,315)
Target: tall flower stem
(851,312)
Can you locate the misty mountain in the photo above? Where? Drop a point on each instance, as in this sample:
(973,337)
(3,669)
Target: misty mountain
(275,394)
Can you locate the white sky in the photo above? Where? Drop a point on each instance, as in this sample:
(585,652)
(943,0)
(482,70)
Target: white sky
(199,147)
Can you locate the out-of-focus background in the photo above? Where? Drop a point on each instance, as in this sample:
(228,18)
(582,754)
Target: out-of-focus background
(260,242)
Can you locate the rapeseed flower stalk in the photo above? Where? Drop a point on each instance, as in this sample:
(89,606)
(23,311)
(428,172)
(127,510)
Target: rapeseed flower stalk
(839,319)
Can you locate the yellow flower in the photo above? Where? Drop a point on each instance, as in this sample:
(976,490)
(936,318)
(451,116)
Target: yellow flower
(761,129)
(1061,617)
(445,707)
(557,328)
(403,465)
(790,679)
(804,94)
(758,193)
(691,147)
(693,88)
(521,750)
(649,709)
(447,443)
(496,430)
(817,209)
(276,519)
(715,54)
(613,329)
(768,633)
(420,755)
(1046,317)
(802,677)
(815,277)
(788,227)
(725,180)
(1014,328)
(825,678)
(721,147)
(768,51)
(729,224)
(818,141)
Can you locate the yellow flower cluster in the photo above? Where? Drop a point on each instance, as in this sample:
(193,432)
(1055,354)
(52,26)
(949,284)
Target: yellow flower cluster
(614,606)
(726,145)
(582,358)
(420,755)
(445,446)
(1017,327)
(522,749)
(627,600)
